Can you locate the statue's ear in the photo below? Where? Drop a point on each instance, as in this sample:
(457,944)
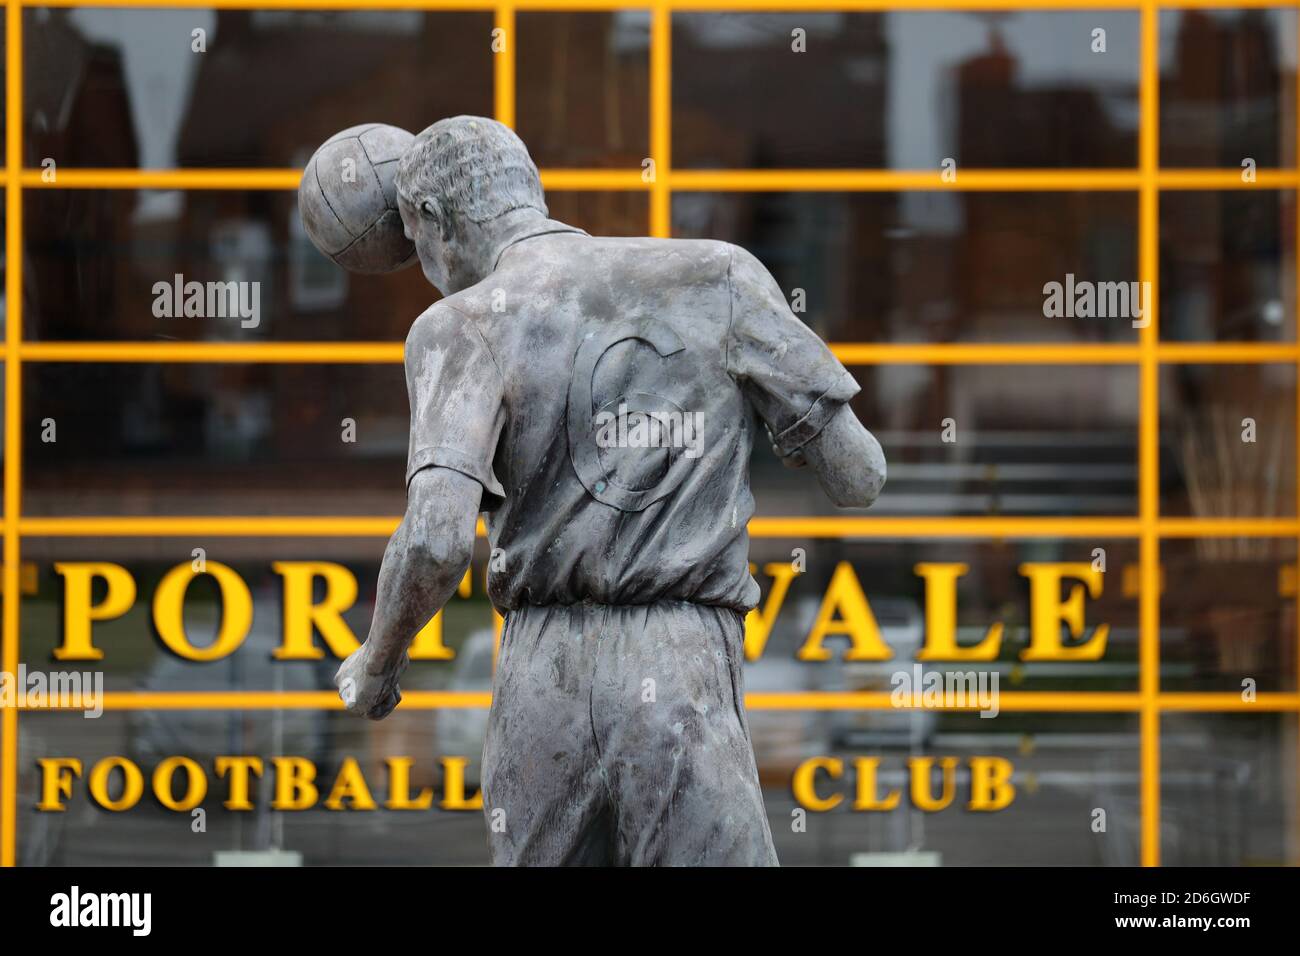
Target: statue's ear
(431,209)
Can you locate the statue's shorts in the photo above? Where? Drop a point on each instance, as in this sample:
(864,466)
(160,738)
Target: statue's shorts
(618,736)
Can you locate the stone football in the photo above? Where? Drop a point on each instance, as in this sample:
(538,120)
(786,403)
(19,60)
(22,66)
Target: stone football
(348,199)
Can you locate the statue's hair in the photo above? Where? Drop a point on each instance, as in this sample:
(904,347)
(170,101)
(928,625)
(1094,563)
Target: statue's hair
(470,166)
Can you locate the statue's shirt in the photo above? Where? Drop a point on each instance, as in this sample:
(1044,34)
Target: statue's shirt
(606,394)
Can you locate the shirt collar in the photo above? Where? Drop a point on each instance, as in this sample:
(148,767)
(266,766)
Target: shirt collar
(548,228)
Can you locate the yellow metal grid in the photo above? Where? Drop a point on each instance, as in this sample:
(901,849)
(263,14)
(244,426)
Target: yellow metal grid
(1148,180)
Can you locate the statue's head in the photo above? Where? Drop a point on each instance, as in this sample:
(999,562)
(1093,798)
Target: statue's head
(459,177)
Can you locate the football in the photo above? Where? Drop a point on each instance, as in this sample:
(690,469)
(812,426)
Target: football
(348,199)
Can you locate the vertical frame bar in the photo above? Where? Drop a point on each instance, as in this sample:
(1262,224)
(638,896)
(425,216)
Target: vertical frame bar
(1295,291)
(504,97)
(661,68)
(1149,435)
(12,418)
(503,65)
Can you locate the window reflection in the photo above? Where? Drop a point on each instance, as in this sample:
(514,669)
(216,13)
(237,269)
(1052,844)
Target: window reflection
(905,90)
(1017,90)
(1227,435)
(1226,88)
(1227,614)
(95,257)
(124,87)
(1227,266)
(215,439)
(583,90)
(928,266)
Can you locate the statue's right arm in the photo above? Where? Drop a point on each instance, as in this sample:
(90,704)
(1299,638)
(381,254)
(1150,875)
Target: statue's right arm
(848,461)
(799,389)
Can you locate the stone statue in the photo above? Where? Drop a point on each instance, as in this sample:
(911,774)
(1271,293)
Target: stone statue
(598,398)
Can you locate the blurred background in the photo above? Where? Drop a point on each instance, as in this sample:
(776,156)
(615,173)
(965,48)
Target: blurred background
(108,88)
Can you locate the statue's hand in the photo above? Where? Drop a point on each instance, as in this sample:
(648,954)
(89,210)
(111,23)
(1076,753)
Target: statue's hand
(796,460)
(367,688)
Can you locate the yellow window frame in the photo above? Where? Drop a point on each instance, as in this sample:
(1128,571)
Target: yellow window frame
(1148,180)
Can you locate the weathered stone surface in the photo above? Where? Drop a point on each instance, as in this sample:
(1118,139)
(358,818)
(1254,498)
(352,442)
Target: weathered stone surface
(598,398)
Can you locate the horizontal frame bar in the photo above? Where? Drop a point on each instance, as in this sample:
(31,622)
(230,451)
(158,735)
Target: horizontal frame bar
(1018,701)
(683,6)
(718,180)
(971,180)
(979,527)
(850,353)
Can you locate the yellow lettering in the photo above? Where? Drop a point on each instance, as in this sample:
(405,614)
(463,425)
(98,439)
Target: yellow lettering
(78,611)
(758,624)
(169,611)
(399,787)
(941,618)
(453,790)
(56,781)
(302,618)
(922,795)
(132,784)
(350,784)
(990,784)
(239,769)
(294,786)
(1047,611)
(844,595)
(196,789)
(865,768)
(804,783)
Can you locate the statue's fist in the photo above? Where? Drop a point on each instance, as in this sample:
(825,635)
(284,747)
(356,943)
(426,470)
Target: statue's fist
(367,690)
(793,460)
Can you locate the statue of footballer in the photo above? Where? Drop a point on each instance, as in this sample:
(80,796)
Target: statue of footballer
(598,398)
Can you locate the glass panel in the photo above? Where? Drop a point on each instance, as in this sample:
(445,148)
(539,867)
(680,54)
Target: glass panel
(319,742)
(1228,789)
(130,87)
(1062,770)
(583,88)
(96,258)
(1227,88)
(1227,436)
(1227,266)
(456,655)
(938,267)
(905,90)
(107,87)
(602,213)
(1227,615)
(994,582)
(985,440)
(268,439)
(215,439)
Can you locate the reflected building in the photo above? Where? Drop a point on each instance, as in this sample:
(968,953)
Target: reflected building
(942,266)
(1219,99)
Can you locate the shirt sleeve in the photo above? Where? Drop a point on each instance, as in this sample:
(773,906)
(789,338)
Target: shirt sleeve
(457,400)
(792,379)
